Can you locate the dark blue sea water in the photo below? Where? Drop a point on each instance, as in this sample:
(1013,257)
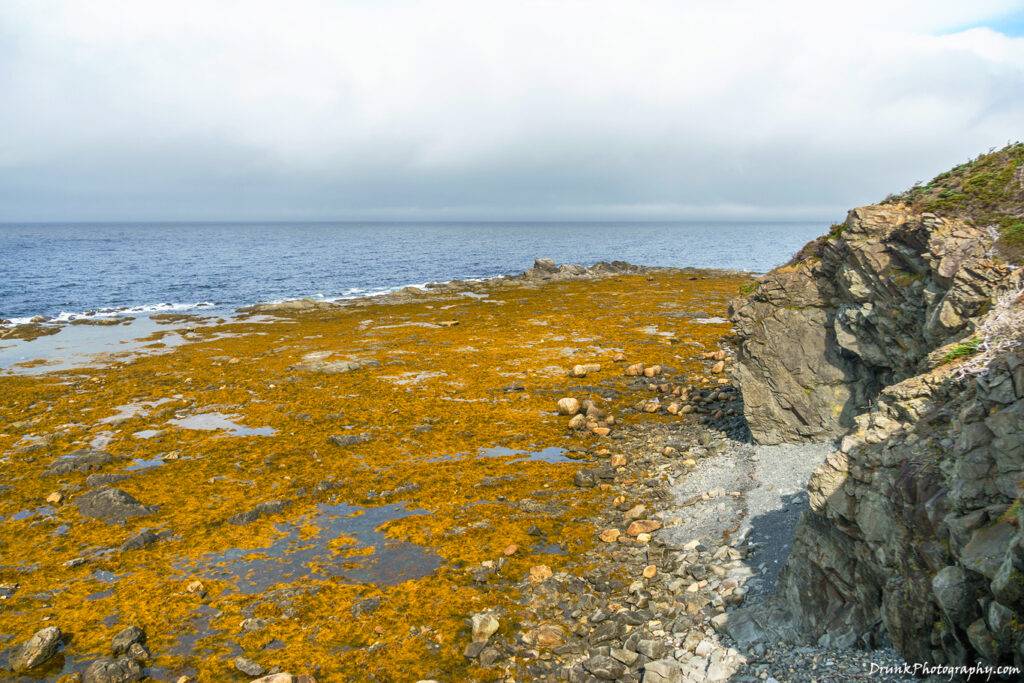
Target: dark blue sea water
(72,268)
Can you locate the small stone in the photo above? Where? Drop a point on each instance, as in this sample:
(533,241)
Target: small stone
(540,573)
(196,587)
(619,357)
(643,537)
(652,371)
(584,369)
(578,422)
(641,526)
(510,550)
(348,439)
(635,512)
(718,367)
(568,406)
(635,370)
(650,571)
(249,667)
(618,460)
(55,498)
(610,535)
(601,431)
(484,625)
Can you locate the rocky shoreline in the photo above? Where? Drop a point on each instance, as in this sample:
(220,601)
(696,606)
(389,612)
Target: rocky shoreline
(301,424)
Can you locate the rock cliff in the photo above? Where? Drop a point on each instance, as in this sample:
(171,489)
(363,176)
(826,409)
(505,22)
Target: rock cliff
(902,331)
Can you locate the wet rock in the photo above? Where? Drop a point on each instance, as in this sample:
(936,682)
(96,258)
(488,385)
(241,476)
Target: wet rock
(248,667)
(365,606)
(80,461)
(37,650)
(349,439)
(270,507)
(127,637)
(7,590)
(113,670)
(145,537)
(110,505)
(98,480)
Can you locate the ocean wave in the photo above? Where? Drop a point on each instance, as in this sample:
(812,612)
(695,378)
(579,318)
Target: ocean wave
(67,316)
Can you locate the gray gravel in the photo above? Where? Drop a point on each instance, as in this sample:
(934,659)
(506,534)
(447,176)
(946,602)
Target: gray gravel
(775,503)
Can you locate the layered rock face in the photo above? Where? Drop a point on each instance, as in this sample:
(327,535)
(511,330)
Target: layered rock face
(902,332)
(856,311)
(913,536)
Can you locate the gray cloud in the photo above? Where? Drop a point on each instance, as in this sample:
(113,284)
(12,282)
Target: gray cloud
(478,110)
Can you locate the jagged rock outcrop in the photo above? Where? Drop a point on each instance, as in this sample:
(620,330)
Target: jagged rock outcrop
(856,311)
(903,332)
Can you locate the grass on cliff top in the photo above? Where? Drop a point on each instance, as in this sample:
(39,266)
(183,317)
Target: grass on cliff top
(988,190)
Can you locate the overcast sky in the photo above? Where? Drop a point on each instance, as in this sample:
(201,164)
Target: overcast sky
(388,109)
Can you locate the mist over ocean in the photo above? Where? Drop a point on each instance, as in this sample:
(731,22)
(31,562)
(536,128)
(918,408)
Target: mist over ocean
(54,269)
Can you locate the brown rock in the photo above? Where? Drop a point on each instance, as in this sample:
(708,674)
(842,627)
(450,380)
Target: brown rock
(540,573)
(643,526)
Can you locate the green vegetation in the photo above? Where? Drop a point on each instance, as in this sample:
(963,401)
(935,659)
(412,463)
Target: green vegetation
(965,348)
(835,231)
(988,191)
(748,288)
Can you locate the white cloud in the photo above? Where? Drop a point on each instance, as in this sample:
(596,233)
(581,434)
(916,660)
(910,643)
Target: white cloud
(655,109)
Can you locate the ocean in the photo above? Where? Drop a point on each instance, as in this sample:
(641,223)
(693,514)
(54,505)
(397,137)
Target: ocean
(61,270)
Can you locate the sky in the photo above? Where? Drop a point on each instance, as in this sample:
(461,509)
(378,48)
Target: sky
(590,110)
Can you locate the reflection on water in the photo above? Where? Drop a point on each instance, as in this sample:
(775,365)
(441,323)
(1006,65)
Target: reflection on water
(551,454)
(292,557)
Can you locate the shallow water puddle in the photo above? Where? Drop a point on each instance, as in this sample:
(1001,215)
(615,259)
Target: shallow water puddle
(370,557)
(130,410)
(550,454)
(43,511)
(209,422)
(145,464)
